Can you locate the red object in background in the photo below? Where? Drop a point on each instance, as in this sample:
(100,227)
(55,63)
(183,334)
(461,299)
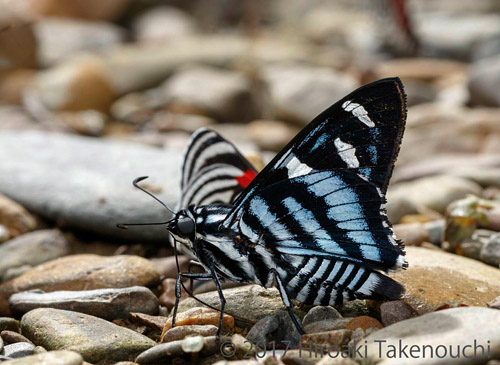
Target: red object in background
(246,178)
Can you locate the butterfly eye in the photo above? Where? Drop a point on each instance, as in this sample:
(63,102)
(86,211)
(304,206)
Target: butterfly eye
(185,226)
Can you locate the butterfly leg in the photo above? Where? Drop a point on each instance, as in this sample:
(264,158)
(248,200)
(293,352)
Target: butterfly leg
(287,303)
(221,297)
(204,276)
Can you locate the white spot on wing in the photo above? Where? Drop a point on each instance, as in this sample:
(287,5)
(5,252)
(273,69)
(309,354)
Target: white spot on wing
(359,112)
(297,168)
(346,152)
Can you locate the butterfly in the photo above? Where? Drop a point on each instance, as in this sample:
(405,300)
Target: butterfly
(313,221)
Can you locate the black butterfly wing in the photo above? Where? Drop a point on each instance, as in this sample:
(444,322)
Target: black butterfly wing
(360,133)
(214,171)
(321,200)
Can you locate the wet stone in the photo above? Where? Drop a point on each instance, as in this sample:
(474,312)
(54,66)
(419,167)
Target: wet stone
(277,327)
(52,358)
(104,303)
(180,332)
(320,313)
(95,339)
(19,349)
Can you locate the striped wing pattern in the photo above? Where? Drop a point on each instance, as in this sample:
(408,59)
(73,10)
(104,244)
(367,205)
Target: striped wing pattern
(214,171)
(319,205)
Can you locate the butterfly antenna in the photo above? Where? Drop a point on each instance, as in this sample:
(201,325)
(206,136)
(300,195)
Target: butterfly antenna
(136,184)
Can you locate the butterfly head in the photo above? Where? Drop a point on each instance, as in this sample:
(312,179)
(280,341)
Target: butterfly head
(183,228)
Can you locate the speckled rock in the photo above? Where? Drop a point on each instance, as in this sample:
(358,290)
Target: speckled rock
(95,339)
(337,337)
(52,358)
(104,303)
(10,324)
(79,272)
(363,322)
(32,249)
(435,278)
(19,349)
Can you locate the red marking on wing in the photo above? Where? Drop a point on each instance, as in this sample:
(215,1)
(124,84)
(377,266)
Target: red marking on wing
(246,178)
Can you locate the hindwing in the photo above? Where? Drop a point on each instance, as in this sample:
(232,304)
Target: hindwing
(214,171)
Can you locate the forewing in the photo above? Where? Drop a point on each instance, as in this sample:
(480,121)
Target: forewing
(360,133)
(214,171)
(331,214)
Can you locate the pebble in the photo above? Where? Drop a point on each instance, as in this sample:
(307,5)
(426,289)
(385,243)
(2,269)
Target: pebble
(246,304)
(223,95)
(495,303)
(4,234)
(9,324)
(165,351)
(19,349)
(180,332)
(167,297)
(162,23)
(15,217)
(455,327)
(32,249)
(200,316)
(329,361)
(152,325)
(61,37)
(82,272)
(85,122)
(363,322)
(484,80)
(102,176)
(103,303)
(299,93)
(13,337)
(420,69)
(52,357)
(395,311)
(435,278)
(271,134)
(320,313)
(355,308)
(327,325)
(435,230)
(440,191)
(95,339)
(298,357)
(277,327)
(412,234)
(490,252)
(336,337)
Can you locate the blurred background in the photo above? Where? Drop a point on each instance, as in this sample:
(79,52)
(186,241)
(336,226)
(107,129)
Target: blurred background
(95,93)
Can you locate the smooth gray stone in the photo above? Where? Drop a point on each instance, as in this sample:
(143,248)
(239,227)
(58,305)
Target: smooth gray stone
(32,248)
(19,349)
(458,328)
(86,183)
(103,303)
